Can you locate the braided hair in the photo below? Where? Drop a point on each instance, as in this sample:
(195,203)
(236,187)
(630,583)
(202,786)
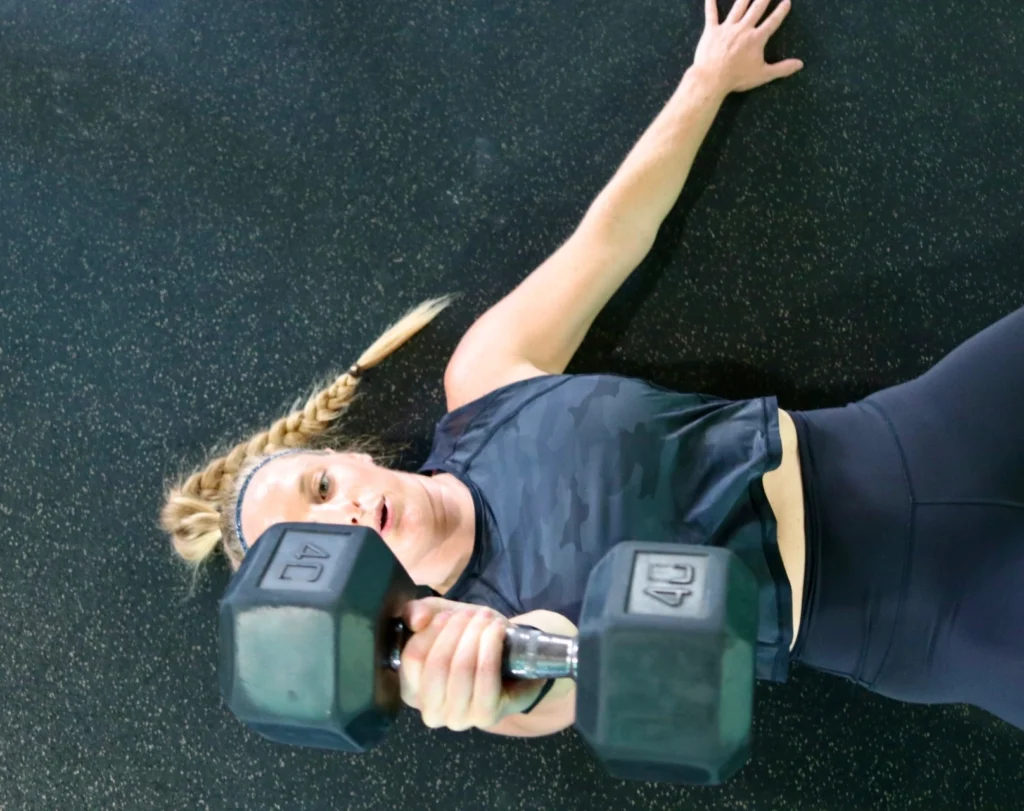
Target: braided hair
(198,511)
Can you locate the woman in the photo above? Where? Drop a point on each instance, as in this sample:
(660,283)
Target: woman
(887,536)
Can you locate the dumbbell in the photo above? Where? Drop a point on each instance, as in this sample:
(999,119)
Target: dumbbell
(310,645)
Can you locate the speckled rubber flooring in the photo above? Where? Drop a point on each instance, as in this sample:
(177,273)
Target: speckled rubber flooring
(205,205)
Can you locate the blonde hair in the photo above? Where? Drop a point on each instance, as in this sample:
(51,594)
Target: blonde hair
(198,511)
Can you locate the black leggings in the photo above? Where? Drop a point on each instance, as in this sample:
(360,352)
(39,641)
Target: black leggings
(915,531)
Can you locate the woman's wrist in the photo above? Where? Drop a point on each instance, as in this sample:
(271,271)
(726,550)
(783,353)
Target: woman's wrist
(706,82)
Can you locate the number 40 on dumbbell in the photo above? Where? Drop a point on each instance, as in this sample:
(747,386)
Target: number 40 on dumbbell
(664,661)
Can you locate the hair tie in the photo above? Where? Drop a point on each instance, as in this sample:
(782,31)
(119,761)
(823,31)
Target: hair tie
(355,371)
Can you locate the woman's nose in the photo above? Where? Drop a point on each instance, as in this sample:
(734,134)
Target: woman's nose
(356,514)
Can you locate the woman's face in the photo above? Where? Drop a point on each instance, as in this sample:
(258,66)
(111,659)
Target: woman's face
(345,488)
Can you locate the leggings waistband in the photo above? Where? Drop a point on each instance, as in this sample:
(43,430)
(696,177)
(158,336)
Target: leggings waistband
(858,516)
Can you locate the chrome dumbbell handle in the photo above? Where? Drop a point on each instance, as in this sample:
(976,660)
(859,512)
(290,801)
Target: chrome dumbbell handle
(529,653)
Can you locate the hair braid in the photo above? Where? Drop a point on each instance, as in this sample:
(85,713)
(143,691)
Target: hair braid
(198,512)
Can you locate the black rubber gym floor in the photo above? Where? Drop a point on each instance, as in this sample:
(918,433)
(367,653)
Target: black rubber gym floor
(205,205)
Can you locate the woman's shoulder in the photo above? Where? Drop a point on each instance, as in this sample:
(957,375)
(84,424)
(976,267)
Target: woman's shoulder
(505,402)
(523,391)
(461,431)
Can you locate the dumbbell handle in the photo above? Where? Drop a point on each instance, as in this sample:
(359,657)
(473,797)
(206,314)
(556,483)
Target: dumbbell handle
(528,653)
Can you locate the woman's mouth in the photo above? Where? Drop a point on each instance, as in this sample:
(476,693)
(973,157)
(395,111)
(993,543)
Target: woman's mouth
(385,517)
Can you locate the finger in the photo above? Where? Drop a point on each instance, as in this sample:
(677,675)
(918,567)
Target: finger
(780,70)
(756,12)
(710,12)
(738,10)
(486,703)
(436,668)
(462,677)
(414,657)
(418,614)
(774,21)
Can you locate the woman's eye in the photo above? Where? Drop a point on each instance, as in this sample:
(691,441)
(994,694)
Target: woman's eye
(323,486)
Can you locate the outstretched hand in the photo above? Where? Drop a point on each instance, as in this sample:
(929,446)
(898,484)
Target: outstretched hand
(451,666)
(731,51)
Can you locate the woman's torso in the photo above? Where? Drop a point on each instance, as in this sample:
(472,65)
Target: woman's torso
(562,468)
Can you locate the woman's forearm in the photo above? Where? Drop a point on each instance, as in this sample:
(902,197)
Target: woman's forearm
(647,184)
(556,712)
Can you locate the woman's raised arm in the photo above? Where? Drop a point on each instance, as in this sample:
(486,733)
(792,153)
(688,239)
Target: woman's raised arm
(537,328)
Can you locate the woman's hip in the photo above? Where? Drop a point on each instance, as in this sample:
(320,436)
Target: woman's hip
(858,523)
(915,525)
(960,425)
(959,635)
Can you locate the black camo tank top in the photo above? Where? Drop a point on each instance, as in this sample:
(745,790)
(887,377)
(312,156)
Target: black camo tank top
(561,468)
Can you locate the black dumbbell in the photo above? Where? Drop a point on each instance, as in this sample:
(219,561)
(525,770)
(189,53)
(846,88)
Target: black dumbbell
(664,660)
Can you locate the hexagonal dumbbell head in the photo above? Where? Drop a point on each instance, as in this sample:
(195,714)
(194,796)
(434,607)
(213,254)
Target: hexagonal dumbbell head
(306,633)
(665,689)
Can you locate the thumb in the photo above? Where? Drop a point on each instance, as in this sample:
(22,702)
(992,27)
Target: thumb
(418,614)
(780,70)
